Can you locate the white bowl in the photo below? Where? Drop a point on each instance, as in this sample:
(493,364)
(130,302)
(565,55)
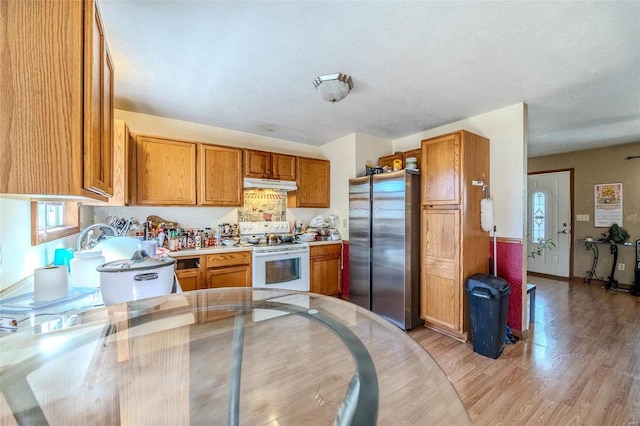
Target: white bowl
(306,237)
(229,243)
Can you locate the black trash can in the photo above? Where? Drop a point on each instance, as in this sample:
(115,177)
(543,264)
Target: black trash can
(488,303)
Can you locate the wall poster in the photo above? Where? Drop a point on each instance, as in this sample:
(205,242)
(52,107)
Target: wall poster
(608,203)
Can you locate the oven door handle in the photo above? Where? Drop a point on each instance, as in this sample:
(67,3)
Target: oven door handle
(294,252)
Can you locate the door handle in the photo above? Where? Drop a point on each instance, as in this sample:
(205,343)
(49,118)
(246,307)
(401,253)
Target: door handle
(564,231)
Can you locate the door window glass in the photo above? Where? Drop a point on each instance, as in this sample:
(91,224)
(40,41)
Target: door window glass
(538,213)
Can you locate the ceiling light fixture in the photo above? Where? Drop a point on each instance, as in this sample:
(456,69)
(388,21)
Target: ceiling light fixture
(333,87)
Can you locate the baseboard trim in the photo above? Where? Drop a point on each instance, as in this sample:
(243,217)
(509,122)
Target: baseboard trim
(459,337)
(551,277)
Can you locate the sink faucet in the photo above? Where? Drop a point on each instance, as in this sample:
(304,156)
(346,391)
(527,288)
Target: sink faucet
(86,230)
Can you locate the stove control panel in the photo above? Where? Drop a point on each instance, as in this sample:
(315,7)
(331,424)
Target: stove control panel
(261,228)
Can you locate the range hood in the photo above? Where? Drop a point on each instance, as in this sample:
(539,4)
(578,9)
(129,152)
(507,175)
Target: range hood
(277,185)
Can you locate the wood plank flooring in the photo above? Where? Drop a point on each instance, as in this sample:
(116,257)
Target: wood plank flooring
(580,366)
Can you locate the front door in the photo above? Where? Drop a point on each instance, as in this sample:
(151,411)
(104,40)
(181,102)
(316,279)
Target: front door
(549,223)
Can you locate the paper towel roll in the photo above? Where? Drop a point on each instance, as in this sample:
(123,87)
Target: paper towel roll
(50,283)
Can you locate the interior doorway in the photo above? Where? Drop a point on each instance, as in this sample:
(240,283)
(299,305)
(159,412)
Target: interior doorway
(550,223)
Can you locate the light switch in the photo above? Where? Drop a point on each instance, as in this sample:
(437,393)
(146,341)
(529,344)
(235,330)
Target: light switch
(582,218)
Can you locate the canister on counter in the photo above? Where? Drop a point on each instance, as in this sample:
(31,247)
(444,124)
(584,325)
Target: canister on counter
(397,165)
(412,163)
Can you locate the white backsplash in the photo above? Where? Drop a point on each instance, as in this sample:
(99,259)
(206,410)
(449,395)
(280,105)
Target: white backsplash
(263,204)
(197,217)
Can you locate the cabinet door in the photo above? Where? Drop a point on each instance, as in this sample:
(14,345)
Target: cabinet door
(165,171)
(220,176)
(326,276)
(189,279)
(415,153)
(120,165)
(213,305)
(106,171)
(284,166)
(441,170)
(230,276)
(387,160)
(441,289)
(98,143)
(257,164)
(41,125)
(313,184)
(325,263)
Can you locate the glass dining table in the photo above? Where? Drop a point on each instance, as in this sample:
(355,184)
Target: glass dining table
(235,356)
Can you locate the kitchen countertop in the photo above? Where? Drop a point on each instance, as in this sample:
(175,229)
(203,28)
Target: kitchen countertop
(202,357)
(320,243)
(224,249)
(210,250)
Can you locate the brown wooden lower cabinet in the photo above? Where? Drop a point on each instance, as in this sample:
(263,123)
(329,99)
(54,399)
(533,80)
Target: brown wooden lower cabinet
(325,264)
(229,276)
(441,292)
(188,272)
(232,269)
(189,279)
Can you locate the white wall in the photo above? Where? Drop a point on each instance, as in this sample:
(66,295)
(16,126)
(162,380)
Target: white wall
(18,258)
(368,150)
(184,130)
(348,156)
(506,128)
(342,154)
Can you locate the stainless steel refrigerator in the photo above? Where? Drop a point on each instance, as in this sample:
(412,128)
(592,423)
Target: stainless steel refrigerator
(384,245)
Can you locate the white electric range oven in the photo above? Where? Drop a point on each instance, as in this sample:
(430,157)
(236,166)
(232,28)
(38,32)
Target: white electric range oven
(284,265)
(277,266)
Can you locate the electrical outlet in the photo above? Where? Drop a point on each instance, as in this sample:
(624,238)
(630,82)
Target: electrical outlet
(582,218)
(620,266)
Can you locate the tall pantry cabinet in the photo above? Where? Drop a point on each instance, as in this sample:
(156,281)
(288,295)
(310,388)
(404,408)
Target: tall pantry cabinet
(453,245)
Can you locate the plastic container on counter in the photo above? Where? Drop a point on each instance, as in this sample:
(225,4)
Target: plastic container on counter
(83,266)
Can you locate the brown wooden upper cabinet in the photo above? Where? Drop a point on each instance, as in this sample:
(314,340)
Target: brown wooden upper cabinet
(165,171)
(56,124)
(173,172)
(269,165)
(121,195)
(313,184)
(441,170)
(220,173)
(387,160)
(415,153)
(98,141)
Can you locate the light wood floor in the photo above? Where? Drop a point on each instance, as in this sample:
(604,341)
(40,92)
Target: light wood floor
(581,365)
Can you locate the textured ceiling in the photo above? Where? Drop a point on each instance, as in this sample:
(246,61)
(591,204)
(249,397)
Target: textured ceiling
(416,65)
